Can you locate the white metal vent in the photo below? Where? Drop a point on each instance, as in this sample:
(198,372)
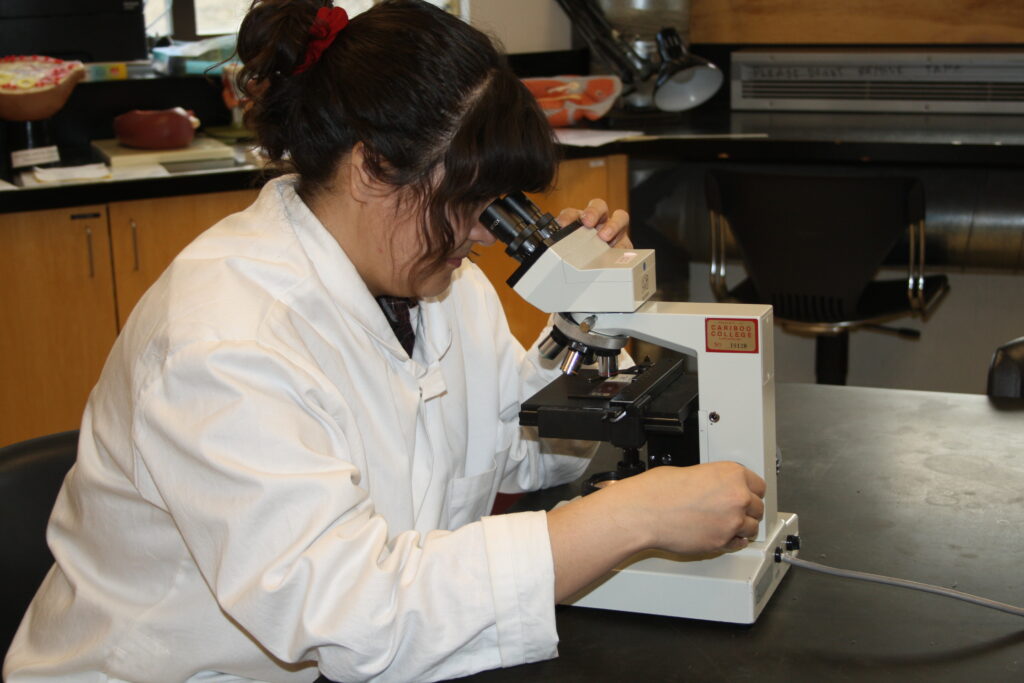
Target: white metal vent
(962,82)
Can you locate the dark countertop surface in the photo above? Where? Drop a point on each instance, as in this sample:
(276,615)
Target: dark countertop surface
(700,135)
(917,485)
(830,137)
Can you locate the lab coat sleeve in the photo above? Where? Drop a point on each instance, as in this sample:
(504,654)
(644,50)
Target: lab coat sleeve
(533,462)
(243,449)
(540,462)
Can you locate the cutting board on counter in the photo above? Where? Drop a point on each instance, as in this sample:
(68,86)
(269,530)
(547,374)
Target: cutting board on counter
(200,149)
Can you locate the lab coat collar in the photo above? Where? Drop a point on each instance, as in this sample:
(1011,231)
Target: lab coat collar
(434,331)
(351,296)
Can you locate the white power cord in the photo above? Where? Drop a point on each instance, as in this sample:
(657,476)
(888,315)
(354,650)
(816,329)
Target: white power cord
(902,583)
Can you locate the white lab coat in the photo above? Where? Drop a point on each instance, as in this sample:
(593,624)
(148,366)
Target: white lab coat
(267,483)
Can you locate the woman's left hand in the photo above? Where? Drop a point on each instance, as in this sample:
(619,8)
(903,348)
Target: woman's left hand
(613,229)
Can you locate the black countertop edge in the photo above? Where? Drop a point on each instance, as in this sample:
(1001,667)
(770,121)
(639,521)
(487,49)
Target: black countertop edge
(82,194)
(802,151)
(723,148)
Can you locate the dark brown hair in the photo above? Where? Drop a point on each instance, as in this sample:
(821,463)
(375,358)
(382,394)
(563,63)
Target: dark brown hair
(421,89)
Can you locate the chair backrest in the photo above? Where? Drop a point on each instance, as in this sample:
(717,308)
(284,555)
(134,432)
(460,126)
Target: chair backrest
(31,474)
(811,244)
(1006,372)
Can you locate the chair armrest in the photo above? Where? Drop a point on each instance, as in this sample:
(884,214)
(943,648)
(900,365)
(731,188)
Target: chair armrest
(717,273)
(1006,371)
(915,274)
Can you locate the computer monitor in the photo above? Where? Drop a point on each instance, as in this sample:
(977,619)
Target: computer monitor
(86,30)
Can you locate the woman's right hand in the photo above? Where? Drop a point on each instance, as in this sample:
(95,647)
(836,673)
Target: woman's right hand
(715,507)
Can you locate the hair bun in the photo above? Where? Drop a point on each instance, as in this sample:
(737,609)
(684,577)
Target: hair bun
(273,36)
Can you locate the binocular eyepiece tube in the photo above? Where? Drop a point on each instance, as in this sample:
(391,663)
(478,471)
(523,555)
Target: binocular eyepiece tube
(528,232)
(521,225)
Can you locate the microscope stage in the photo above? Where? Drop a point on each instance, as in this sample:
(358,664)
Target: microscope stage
(625,410)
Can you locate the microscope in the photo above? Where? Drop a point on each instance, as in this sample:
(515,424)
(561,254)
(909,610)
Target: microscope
(600,297)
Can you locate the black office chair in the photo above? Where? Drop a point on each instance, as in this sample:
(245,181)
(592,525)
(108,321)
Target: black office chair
(812,246)
(1006,371)
(31,474)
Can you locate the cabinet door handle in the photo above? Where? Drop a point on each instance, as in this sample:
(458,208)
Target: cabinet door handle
(92,215)
(135,243)
(88,245)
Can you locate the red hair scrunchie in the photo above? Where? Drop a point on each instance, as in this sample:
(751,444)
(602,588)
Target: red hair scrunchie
(329,20)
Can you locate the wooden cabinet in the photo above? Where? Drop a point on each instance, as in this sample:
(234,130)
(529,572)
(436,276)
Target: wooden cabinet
(57,317)
(579,181)
(146,234)
(70,277)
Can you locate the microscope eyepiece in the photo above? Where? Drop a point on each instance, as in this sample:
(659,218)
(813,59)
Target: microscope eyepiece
(518,203)
(521,225)
(509,228)
(528,232)
(523,207)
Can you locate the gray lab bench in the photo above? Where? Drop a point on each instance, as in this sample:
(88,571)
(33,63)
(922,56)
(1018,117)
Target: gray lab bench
(917,485)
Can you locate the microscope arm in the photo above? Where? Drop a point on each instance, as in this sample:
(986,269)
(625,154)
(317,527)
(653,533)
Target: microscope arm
(732,344)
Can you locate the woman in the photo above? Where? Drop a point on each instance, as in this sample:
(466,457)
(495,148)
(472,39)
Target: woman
(282,476)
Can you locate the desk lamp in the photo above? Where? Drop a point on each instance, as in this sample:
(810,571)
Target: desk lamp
(659,75)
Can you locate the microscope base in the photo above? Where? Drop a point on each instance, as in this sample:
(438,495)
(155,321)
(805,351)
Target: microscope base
(733,587)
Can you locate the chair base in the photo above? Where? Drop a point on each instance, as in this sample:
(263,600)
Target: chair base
(883,301)
(831,358)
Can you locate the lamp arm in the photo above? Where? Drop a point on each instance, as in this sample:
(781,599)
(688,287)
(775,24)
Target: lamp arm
(606,41)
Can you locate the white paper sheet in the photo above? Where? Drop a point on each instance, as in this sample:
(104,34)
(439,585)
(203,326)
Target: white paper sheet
(60,174)
(585,137)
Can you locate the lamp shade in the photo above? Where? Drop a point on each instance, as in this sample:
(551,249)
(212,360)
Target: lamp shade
(684,79)
(688,87)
